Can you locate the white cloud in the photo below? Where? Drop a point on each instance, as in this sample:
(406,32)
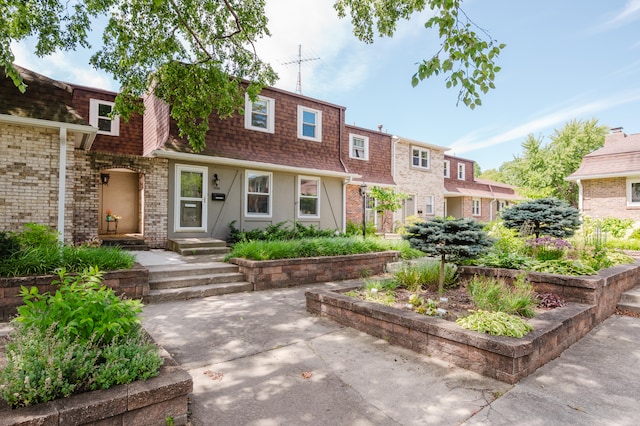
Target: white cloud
(475,141)
(631,12)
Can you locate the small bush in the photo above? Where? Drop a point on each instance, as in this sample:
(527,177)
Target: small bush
(425,274)
(550,301)
(564,267)
(9,244)
(278,232)
(501,259)
(495,295)
(495,323)
(38,236)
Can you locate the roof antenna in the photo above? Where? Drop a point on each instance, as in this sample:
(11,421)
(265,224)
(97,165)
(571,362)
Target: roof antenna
(299,61)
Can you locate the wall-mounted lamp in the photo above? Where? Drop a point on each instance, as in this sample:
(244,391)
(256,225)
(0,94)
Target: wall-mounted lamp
(216,181)
(104,178)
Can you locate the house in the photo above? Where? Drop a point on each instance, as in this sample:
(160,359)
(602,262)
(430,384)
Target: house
(609,178)
(286,158)
(419,173)
(467,196)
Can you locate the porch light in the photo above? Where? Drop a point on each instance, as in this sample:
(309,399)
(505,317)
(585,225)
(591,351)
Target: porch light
(216,181)
(104,178)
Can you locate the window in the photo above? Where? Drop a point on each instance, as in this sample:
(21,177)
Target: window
(259,115)
(475,207)
(502,204)
(309,124)
(191,206)
(308,197)
(428,209)
(447,168)
(420,157)
(358,147)
(633,192)
(370,210)
(99,112)
(258,194)
(461,171)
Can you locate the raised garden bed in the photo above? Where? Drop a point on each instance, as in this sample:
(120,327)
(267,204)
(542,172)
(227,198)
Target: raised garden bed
(592,299)
(142,403)
(268,274)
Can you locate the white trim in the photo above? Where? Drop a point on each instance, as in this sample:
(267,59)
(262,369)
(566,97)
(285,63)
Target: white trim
(365,139)
(433,205)
(84,143)
(94,105)
(269,194)
(62,185)
(602,176)
(179,168)
(461,168)
(317,197)
(181,156)
(317,125)
(271,112)
(629,184)
(447,168)
(424,144)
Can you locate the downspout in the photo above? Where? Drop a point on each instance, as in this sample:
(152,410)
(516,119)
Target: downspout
(344,166)
(62,183)
(490,203)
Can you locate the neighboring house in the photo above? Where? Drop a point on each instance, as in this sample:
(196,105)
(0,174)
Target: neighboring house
(609,178)
(466,196)
(419,172)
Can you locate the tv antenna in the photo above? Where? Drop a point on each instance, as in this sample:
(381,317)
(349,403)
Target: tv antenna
(299,61)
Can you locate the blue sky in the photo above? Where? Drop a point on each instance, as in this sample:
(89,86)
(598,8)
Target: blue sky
(564,60)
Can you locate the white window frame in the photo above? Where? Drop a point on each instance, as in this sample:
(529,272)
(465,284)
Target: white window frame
(365,155)
(179,168)
(476,207)
(317,197)
(630,182)
(502,204)
(94,107)
(461,171)
(447,168)
(420,152)
(301,123)
(429,205)
(248,114)
(247,193)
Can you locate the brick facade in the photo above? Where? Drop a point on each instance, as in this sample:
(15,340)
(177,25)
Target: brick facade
(607,198)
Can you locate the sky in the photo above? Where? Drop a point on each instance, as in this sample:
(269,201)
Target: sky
(564,60)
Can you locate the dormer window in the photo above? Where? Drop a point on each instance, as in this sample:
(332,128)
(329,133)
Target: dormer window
(358,147)
(259,114)
(100,117)
(461,171)
(309,124)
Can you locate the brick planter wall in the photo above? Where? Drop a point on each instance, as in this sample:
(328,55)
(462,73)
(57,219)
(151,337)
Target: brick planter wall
(132,283)
(268,274)
(503,358)
(142,403)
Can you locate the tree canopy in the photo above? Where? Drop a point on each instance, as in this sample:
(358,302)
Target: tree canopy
(194,55)
(545,216)
(540,170)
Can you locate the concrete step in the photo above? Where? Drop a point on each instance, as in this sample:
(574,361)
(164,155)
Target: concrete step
(195,242)
(200,251)
(632,295)
(159,272)
(173,294)
(629,306)
(195,281)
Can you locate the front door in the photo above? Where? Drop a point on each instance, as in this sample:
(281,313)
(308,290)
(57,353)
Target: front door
(191,199)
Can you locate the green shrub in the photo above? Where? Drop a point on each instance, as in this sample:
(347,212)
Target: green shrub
(495,323)
(425,274)
(495,295)
(501,259)
(613,226)
(564,267)
(626,244)
(354,229)
(9,244)
(280,231)
(81,307)
(34,235)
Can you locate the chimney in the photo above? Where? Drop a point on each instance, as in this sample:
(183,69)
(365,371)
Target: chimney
(616,135)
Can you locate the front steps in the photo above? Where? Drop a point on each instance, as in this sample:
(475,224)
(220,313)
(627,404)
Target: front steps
(215,249)
(126,242)
(194,280)
(630,300)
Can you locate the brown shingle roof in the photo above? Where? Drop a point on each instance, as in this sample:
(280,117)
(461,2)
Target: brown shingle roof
(619,158)
(45,99)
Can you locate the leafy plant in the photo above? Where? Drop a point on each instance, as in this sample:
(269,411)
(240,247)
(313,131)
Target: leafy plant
(501,259)
(495,323)
(280,231)
(9,244)
(492,294)
(548,248)
(550,300)
(613,226)
(428,307)
(81,307)
(564,267)
(35,235)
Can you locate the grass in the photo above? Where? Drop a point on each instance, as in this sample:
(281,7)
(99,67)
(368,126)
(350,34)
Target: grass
(312,247)
(425,275)
(495,295)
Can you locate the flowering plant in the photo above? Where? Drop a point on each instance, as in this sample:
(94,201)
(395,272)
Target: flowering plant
(548,248)
(111,216)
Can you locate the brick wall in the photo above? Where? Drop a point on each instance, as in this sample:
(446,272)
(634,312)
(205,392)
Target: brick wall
(29,167)
(354,204)
(155,179)
(377,169)
(420,182)
(607,198)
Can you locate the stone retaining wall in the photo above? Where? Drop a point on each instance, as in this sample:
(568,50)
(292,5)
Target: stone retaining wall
(143,403)
(592,299)
(132,283)
(268,274)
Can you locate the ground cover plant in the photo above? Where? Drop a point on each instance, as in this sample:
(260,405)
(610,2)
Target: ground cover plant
(81,338)
(321,246)
(37,251)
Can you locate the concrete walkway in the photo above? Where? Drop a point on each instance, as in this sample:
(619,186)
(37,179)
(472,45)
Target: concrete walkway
(260,359)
